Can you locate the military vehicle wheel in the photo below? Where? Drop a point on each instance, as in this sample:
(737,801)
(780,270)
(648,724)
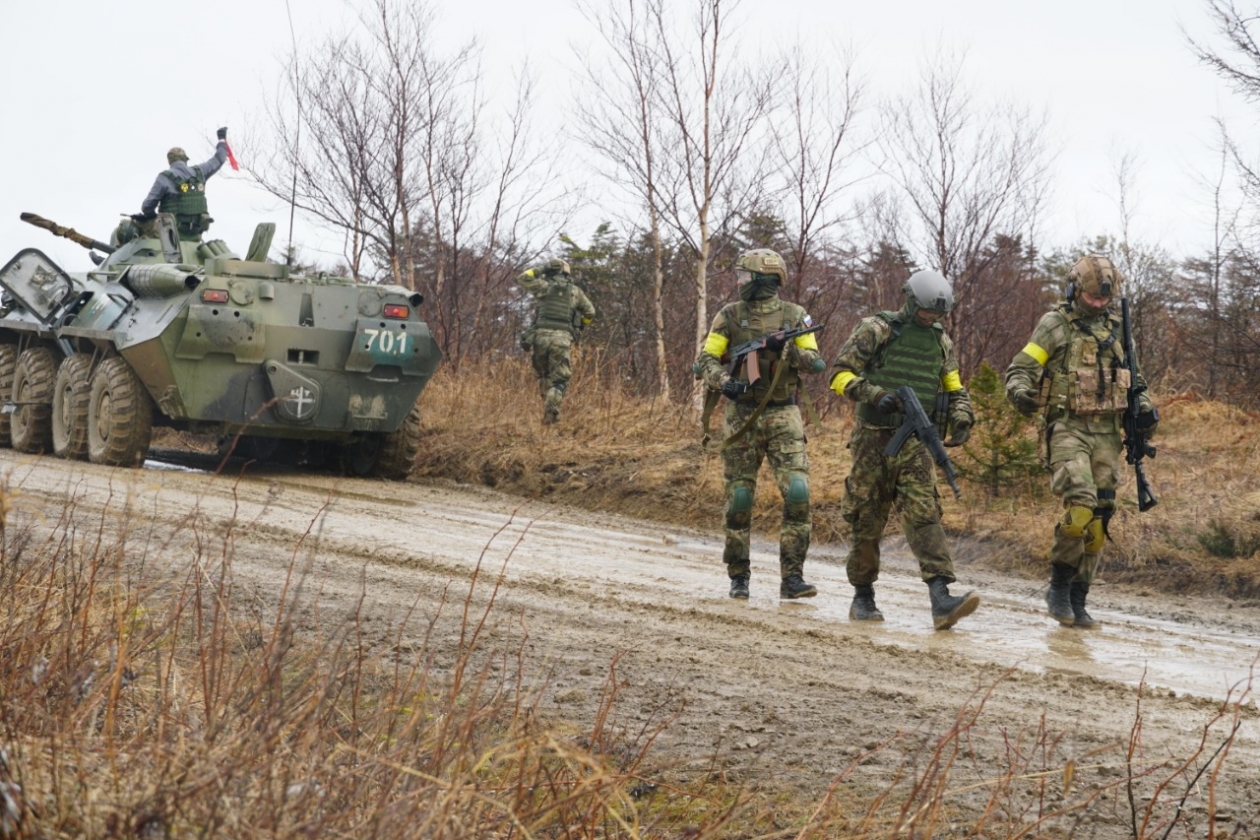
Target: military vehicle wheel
(120,416)
(8,361)
(30,424)
(399,449)
(361,456)
(70,407)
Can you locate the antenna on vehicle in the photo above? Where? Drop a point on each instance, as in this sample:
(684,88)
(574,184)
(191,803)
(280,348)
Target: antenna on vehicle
(297,140)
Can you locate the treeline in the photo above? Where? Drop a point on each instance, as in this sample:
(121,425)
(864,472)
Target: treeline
(696,142)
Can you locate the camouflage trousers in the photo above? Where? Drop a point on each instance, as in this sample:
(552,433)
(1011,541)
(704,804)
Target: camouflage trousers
(1084,459)
(875,483)
(551,359)
(779,437)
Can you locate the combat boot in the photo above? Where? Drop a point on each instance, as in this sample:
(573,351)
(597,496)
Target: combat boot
(739,586)
(948,609)
(1077,593)
(1058,602)
(863,607)
(794,586)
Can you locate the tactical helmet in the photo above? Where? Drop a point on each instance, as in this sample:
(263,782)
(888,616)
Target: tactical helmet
(762,261)
(557,266)
(929,290)
(126,231)
(1095,275)
(176,153)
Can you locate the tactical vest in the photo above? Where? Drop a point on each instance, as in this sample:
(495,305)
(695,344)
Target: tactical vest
(913,355)
(1091,380)
(555,309)
(745,325)
(188,203)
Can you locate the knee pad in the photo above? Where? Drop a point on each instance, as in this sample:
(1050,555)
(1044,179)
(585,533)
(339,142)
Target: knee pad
(741,499)
(797,491)
(1094,536)
(1076,519)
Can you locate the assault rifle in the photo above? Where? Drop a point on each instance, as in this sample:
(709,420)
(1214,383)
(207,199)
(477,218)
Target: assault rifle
(919,424)
(1136,444)
(749,350)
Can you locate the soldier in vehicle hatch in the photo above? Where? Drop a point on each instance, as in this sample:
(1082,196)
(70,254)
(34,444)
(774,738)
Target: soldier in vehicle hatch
(181,191)
(888,350)
(563,310)
(762,420)
(1073,372)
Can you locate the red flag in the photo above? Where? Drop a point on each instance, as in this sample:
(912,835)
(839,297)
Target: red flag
(231,157)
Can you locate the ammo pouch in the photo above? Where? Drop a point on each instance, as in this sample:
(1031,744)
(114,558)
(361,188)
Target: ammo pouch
(1092,391)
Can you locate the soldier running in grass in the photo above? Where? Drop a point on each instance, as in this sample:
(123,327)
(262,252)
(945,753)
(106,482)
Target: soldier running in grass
(563,310)
(888,350)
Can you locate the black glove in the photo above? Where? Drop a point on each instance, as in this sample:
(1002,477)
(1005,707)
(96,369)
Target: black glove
(734,389)
(774,343)
(1026,402)
(961,434)
(222,133)
(1148,422)
(888,403)
(143,217)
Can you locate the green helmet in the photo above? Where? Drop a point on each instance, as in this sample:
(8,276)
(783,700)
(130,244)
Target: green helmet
(176,153)
(556,266)
(929,290)
(762,261)
(126,231)
(1095,275)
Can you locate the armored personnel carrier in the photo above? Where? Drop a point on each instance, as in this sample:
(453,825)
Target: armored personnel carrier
(184,333)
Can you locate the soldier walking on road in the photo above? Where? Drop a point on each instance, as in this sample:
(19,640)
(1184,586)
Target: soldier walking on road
(777,434)
(563,311)
(181,191)
(1072,371)
(908,347)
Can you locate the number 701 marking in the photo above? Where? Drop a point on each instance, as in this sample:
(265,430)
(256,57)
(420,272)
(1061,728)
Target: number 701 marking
(390,342)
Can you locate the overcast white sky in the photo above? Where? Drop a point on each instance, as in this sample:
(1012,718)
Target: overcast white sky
(93,92)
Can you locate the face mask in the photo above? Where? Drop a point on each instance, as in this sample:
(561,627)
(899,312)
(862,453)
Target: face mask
(760,287)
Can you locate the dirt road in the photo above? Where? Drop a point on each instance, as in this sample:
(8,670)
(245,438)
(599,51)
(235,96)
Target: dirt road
(788,693)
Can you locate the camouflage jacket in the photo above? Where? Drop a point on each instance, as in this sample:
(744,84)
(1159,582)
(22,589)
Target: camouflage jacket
(1067,346)
(802,352)
(867,339)
(536,283)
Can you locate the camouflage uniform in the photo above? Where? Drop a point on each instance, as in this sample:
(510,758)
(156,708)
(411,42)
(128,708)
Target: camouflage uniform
(1071,371)
(884,352)
(777,435)
(563,310)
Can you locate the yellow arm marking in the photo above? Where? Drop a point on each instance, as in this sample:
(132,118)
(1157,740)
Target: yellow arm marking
(1039,355)
(952,381)
(806,342)
(841,380)
(715,345)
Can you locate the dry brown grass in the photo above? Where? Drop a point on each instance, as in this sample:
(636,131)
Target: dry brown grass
(614,451)
(140,702)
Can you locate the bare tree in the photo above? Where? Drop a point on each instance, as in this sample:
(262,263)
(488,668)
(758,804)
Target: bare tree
(621,122)
(716,110)
(815,146)
(967,174)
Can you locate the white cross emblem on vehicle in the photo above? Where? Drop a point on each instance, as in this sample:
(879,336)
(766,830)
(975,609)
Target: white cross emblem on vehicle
(299,399)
